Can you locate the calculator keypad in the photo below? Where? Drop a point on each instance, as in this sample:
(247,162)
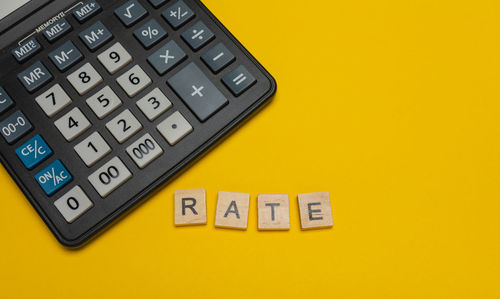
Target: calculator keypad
(92,149)
(133,110)
(124,126)
(84,79)
(104,102)
(109,177)
(53,100)
(72,124)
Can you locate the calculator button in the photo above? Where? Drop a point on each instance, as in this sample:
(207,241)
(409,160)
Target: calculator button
(104,102)
(5,101)
(218,58)
(150,34)
(166,57)
(131,13)
(15,127)
(53,100)
(84,79)
(114,58)
(53,177)
(72,124)
(197,91)
(238,80)
(86,11)
(34,152)
(198,35)
(174,128)
(178,14)
(95,36)
(154,104)
(73,204)
(109,177)
(144,151)
(124,126)
(134,81)
(57,30)
(92,149)
(65,56)
(157,3)
(27,50)
(35,76)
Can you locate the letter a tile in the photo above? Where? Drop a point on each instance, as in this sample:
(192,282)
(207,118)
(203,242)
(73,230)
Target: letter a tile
(190,207)
(232,210)
(274,212)
(315,210)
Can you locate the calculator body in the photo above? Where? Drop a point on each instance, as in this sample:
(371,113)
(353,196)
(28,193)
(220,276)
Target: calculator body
(70,157)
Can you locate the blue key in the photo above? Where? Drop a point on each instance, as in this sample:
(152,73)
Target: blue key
(5,101)
(15,127)
(57,30)
(86,11)
(53,177)
(27,50)
(150,34)
(35,76)
(65,56)
(34,152)
(95,36)
(131,13)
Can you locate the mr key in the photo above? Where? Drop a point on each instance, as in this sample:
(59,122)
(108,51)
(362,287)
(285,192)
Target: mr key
(112,99)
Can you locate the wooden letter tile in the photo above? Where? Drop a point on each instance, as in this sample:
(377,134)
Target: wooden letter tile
(190,207)
(315,210)
(274,212)
(232,210)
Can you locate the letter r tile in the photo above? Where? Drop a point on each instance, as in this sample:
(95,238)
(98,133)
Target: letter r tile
(274,212)
(232,210)
(190,207)
(315,210)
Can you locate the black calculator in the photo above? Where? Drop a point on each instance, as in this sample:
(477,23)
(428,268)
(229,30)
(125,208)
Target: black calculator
(104,101)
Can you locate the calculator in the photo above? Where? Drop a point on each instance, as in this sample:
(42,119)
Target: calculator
(104,102)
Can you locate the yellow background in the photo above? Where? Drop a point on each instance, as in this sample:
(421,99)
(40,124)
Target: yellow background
(392,106)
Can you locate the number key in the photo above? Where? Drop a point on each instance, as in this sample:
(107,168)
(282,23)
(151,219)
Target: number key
(109,177)
(53,100)
(84,79)
(104,102)
(134,81)
(72,124)
(92,149)
(124,126)
(114,58)
(154,104)
(144,151)
(73,204)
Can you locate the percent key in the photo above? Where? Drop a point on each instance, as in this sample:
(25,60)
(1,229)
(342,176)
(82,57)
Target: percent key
(150,34)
